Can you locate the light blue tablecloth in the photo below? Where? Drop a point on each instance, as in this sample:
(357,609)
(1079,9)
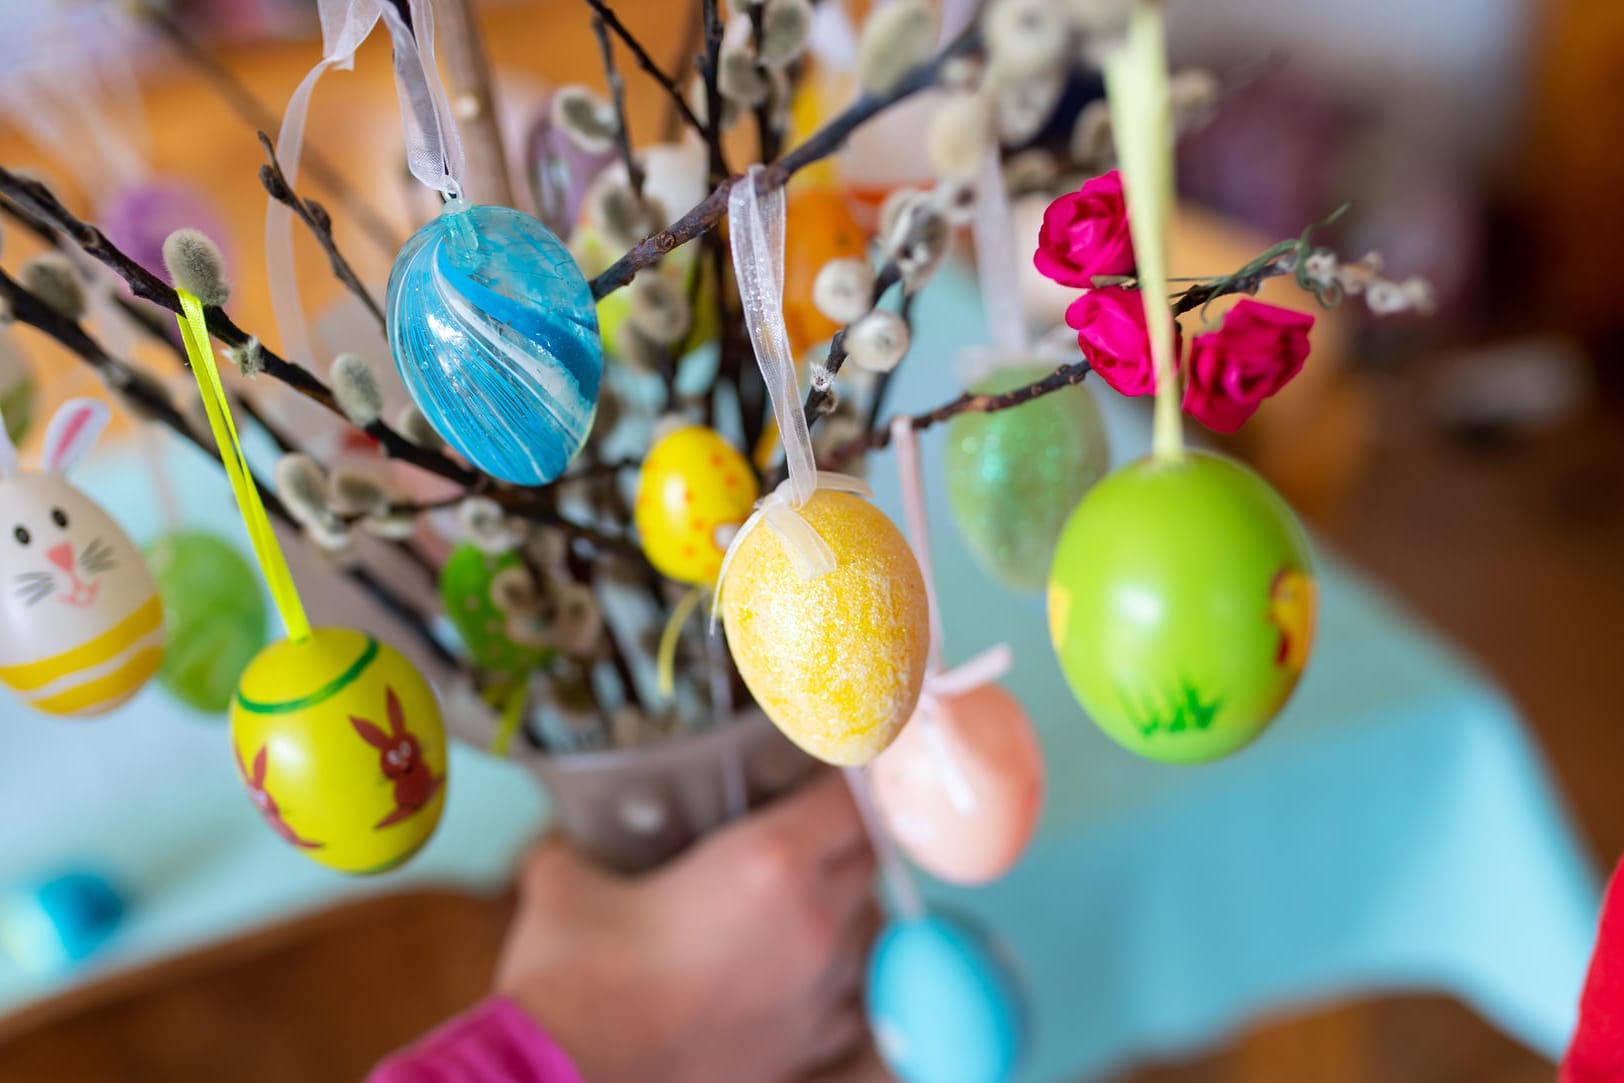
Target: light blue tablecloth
(1395,830)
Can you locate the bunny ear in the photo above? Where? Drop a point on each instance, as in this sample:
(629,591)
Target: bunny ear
(397,716)
(72,432)
(370,733)
(8,451)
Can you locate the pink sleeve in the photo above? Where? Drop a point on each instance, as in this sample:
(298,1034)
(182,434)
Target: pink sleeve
(494,1043)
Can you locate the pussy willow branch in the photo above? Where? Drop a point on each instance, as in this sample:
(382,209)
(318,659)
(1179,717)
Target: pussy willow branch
(536,504)
(1281,259)
(703,216)
(715,108)
(880,437)
(819,399)
(617,94)
(678,102)
(27,308)
(768,136)
(243,102)
(41,202)
(320,224)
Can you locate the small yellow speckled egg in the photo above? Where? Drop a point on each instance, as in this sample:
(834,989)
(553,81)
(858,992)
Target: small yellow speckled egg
(836,661)
(340,745)
(692,495)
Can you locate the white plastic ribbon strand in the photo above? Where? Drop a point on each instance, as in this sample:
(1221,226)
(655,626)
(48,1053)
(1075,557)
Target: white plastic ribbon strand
(995,261)
(345,24)
(940,684)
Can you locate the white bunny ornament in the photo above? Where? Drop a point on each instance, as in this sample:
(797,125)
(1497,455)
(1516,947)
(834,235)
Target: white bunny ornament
(81,623)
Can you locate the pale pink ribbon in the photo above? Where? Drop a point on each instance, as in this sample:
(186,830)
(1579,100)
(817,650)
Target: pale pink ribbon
(433,148)
(756,236)
(940,684)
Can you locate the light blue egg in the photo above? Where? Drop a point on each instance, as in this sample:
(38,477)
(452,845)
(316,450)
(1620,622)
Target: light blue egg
(943,1007)
(494,332)
(51,924)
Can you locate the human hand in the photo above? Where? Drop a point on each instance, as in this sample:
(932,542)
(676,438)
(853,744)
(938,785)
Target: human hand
(740,961)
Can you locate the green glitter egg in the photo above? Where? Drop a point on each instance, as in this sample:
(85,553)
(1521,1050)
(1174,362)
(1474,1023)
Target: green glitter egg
(1182,606)
(1013,476)
(465,590)
(18,389)
(215,613)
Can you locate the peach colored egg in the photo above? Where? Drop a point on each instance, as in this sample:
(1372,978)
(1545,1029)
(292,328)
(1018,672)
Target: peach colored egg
(962,786)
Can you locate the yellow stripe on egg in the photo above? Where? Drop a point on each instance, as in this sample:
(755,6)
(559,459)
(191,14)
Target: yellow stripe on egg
(31,676)
(104,693)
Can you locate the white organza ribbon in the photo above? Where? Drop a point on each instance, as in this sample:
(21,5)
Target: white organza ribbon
(995,260)
(756,235)
(433,149)
(345,24)
(940,684)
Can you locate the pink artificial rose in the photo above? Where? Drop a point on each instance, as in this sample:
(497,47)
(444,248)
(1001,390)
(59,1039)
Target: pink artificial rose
(1110,326)
(1254,354)
(1085,233)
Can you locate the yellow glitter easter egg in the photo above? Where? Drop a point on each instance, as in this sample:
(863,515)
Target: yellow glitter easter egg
(835,661)
(692,495)
(339,742)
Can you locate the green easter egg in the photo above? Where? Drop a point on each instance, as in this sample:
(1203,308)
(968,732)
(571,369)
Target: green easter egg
(1013,476)
(1182,605)
(215,613)
(18,390)
(465,590)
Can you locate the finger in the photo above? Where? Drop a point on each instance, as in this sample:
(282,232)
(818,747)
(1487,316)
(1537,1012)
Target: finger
(838,1038)
(864,1067)
(845,880)
(849,962)
(817,822)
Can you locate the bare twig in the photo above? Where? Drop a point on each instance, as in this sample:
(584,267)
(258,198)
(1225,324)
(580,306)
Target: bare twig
(320,224)
(617,93)
(679,103)
(969,402)
(246,105)
(703,216)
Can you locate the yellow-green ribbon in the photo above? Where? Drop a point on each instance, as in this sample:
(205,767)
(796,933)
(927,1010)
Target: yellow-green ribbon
(665,665)
(514,697)
(267,551)
(1142,126)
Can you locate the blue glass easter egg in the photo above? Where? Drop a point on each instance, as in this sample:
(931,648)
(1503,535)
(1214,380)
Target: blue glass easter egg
(494,332)
(943,1007)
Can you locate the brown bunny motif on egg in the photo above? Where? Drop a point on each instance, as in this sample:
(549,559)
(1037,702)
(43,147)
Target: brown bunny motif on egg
(81,623)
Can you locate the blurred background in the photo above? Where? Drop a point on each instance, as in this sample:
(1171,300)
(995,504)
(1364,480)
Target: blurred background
(1471,461)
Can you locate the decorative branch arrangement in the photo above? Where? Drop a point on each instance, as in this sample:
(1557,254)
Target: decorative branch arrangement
(568,578)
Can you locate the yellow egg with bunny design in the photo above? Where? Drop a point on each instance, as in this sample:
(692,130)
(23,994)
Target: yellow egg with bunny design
(81,623)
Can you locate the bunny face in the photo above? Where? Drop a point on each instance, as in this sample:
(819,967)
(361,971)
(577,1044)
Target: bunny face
(401,757)
(81,624)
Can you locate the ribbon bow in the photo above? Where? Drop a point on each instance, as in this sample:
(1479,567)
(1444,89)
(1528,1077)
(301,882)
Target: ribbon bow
(756,236)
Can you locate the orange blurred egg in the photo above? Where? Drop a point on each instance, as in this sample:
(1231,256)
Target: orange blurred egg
(819,227)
